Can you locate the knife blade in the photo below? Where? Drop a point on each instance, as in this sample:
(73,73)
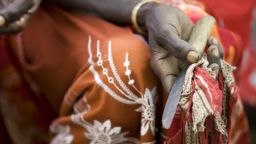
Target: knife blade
(198,40)
(173,100)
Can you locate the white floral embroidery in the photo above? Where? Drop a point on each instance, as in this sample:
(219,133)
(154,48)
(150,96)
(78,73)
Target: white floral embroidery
(148,111)
(127,96)
(63,134)
(128,74)
(82,108)
(117,77)
(103,133)
(100,82)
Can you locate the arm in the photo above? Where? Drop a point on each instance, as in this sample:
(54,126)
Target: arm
(113,10)
(168,28)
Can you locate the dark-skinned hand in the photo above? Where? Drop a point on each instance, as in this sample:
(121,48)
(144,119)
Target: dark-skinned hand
(14,14)
(168,32)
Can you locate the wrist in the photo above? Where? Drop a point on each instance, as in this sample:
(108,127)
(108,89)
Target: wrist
(144,11)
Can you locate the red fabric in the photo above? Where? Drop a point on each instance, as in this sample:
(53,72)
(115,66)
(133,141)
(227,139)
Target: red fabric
(176,129)
(235,15)
(247,82)
(215,96)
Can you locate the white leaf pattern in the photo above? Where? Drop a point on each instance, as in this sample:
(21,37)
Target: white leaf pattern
(63,134)
(146,100)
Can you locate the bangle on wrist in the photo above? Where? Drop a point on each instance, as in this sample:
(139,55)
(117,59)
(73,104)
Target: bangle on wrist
(135,14)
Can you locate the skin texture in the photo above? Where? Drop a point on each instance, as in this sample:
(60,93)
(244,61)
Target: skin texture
(168,28)
(14,14)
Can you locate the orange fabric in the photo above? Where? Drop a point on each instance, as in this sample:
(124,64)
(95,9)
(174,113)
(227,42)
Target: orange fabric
(100,92)
(20,106)
(56,61)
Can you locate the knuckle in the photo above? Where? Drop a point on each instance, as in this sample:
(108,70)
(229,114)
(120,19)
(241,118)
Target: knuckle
(178,44)
(163,34)
(180,47)
(211,48)
(215,57)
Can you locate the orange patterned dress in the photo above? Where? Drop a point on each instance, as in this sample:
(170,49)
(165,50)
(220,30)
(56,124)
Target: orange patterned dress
(74,78)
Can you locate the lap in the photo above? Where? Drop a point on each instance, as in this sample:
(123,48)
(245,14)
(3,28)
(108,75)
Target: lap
(96,74)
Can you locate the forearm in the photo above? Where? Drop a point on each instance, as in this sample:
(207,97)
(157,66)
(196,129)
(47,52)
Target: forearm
(113,10)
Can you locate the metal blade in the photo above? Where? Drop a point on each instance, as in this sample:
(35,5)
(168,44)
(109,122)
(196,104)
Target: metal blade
(173,100)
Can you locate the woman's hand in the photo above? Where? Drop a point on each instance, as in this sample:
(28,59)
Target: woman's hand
(14,14)
(169,28)
(167,68)
(168,32)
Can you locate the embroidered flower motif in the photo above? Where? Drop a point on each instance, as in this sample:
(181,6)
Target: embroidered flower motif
(104,134)
(124,91)
(148,111)
(63,135)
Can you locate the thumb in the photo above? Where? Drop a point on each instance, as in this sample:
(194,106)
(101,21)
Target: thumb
(178,47)
(14,11)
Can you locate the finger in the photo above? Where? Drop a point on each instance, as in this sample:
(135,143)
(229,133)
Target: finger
(15,10)
(163,64)
(165,70)
(2,21)
(188,27)
(24,20)
(214,60)
(213,54)
(191,56)
(34,7)
(213,41)
(16,26)
(176,46)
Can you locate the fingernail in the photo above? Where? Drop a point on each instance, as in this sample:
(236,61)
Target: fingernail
(192,57)
(214,66)
(213,41)
(18,23)
(2,21)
